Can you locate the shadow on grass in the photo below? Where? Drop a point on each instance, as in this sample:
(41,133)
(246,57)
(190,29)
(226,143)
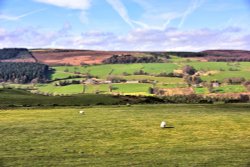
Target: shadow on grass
(168,127)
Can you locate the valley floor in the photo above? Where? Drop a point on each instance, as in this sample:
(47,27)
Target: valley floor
(202,135)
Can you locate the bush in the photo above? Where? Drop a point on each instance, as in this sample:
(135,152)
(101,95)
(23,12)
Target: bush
(140,72)
(187,99)
(189,70)
(235,80)
(115,79)
(193,80)
(151,90)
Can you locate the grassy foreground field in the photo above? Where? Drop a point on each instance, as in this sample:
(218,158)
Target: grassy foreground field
(203,135)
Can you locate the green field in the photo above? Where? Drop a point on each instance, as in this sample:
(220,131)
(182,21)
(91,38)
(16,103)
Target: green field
(223,89)
(102,88)
(227,74)
(169,80)
(201,90)
(209,71)
(69,89)
(102,71)
(132,88)
(122,88)
(231,89)
(224,70)
(209,66)
(203,135)
(61,75)
(19,98)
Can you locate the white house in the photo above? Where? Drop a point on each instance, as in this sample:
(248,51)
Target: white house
(132,82)
(215,84)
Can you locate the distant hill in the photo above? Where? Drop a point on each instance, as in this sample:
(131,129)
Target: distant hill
(227,52)
(16,55)
(80,57)
(227,55)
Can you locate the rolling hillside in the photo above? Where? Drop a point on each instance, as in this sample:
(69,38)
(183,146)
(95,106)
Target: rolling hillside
(79,57)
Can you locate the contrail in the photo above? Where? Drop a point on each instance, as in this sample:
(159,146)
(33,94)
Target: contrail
(194,6)
(14,18)
(118,6)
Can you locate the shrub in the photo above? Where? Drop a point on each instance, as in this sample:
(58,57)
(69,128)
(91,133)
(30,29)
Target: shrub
(235,80)
(140,72)
(115,79)
(189,70)
(193,80)
(151,90)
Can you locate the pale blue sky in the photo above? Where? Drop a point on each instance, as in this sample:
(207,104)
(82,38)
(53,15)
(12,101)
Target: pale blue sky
(126,24)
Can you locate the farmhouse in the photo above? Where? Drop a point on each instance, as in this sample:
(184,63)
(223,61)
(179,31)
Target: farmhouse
(130,82)
(92,81)
(197,85)
(215,84)
(107,82)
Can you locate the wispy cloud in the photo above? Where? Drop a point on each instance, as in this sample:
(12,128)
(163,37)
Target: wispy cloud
(81,5)
(166,17)
(71,4)
(195,4)
(14,18)
(119,7)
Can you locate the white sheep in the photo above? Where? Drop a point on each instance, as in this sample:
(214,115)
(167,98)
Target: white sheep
(163,124)
(81,112)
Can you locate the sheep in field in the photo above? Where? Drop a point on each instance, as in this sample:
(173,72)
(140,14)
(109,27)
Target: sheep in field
(163,124)
(81,112)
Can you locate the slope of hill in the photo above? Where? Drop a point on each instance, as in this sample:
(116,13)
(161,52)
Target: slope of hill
(78,57)
(16,55)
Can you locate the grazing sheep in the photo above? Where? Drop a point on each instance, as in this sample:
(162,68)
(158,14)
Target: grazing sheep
(81,112)
(163,124)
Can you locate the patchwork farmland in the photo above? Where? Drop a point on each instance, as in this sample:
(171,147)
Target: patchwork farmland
(150,77)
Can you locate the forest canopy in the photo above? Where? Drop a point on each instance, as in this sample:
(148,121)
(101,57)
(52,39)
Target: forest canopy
(23,72)
(127,59)
(14,53)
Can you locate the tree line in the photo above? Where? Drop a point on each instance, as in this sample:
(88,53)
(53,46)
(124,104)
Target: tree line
(23,72)
(127,59)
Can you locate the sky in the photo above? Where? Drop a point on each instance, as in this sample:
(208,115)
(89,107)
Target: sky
(140,25)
